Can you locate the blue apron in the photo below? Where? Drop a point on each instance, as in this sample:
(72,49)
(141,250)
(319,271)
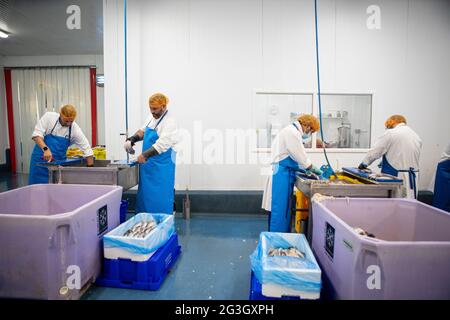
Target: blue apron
(58,147)
(156,178)
(388,169)
(283,182)
(441,198)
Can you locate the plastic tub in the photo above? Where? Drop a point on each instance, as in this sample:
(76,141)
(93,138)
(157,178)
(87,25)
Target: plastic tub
(409,258)
(50,238)
(142,275)
(123,210)
(284,276)
(116,246)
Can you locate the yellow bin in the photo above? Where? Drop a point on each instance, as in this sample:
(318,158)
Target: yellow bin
(301,210)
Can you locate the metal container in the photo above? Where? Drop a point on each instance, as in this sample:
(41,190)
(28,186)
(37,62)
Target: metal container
(103,173)
(344,137)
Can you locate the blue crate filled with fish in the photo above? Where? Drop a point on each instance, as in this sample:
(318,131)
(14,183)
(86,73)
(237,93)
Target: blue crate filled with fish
(138,238)
(145,275)
(284,265)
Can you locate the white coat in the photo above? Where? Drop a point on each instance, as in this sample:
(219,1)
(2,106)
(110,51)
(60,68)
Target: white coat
(288,143)
(401,146)
(49,121)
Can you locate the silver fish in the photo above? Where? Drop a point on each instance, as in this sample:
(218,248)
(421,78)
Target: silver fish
(289,252)
(363,232)
(140,229)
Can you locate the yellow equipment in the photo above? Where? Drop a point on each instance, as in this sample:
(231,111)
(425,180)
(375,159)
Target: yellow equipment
(301,211)
(99,152)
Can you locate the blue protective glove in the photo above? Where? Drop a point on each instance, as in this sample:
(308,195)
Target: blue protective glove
(316,170)
(362,166)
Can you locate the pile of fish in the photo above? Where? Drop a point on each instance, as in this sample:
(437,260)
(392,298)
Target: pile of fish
(140,229)
(375,176)
(363,232)
(289,252)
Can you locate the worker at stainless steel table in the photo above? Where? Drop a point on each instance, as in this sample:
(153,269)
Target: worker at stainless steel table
(157,169)
(441,198)
(399,147)
(288,153)
(53,134)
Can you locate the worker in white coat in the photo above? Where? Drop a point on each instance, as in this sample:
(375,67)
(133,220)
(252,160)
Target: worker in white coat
(399,147)
(53,134)
(158,157)
(441,197)
(288,156)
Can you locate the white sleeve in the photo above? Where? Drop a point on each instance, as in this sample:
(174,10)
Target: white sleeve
(379,149)
(80,140)
(168,137)
(446,154)
(41,126)
(296,150)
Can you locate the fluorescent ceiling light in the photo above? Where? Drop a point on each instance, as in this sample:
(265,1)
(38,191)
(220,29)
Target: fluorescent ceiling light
(3,34)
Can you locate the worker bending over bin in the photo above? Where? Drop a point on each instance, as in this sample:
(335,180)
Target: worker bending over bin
(399,148)
(53,134)
(288,156)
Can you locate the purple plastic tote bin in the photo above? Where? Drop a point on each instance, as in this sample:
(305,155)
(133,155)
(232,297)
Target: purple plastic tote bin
(408,258)
(50,236)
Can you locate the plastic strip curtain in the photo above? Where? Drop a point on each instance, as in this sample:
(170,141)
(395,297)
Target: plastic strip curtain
(38,90)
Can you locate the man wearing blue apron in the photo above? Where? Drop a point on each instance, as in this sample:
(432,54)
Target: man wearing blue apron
(157,160)
(288,154)
(441,198)
(399,147)
(53,134)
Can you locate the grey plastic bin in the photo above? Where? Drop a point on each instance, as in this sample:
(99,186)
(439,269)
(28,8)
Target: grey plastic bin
(48,233)
(409,258)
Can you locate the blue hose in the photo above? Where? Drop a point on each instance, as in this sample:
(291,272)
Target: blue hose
(318,89)
(126,72)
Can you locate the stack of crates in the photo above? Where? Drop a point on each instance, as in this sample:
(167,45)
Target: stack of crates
(140,263)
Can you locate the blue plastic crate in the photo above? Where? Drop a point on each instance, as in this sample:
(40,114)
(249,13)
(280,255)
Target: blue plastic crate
(256,294)
(123,210)
(146,275)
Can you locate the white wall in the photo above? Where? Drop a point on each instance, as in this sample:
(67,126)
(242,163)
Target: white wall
(67,60)
(209,57)
(4,143)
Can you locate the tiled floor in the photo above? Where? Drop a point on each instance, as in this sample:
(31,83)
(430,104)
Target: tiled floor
(9,181)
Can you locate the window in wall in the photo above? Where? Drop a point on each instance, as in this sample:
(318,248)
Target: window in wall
(346,120)
(274,111)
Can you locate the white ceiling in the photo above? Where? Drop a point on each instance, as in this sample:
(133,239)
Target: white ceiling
(38,27)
